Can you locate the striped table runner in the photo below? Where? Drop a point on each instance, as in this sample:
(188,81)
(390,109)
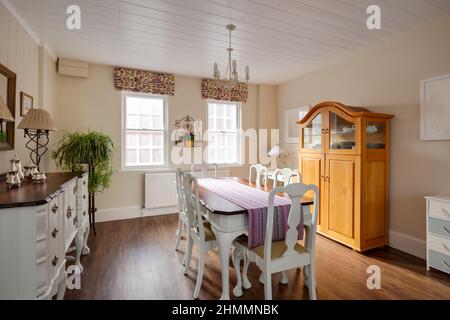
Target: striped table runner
(256,202)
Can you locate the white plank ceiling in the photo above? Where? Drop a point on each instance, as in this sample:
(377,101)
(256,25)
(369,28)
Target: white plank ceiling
(278,39)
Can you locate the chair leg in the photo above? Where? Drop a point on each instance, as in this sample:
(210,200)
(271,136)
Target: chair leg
(267,285)
(179,232)
(245,282)
(188,254)
(237,257)
(201,268)
(312,283)
(306,275)
(283,277)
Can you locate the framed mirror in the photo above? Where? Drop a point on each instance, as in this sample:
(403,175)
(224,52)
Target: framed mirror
(8,94)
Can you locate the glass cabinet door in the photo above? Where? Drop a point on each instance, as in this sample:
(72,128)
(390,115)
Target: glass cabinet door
(376,135)
(312,134)
(342,133)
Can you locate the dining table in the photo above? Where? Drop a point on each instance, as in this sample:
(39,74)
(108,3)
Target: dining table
(229,220)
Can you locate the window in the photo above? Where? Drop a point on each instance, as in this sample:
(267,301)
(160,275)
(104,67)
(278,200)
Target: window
(224,126)
(144,141)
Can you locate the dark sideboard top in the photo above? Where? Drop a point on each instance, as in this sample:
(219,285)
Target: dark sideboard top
(33,194)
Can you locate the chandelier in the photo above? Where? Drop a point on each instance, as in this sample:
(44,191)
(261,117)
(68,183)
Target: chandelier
(231,78)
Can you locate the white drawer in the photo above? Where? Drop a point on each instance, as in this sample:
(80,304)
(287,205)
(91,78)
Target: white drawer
(42,277)
(41,222)
(82,185)
(41,249)
(439,244)
(439,209)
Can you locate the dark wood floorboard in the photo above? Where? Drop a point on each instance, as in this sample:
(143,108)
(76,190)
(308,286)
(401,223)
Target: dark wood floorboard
(135,259)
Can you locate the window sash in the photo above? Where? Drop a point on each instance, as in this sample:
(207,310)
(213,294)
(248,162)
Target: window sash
(152,152)
(227,152)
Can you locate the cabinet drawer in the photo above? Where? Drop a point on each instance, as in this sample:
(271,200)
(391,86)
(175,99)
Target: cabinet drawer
(439,209)
(439,261)
(41,222)
(439,227)
(439,244)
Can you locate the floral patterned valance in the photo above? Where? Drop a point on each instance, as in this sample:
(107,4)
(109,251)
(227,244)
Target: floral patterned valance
(144,81)
(212,89)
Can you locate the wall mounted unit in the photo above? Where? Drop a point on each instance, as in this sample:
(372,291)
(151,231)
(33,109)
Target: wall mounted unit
(73,68)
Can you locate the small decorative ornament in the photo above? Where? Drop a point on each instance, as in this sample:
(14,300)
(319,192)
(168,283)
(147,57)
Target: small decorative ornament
(16,165)
(29,169)
(39,177)
(13,180)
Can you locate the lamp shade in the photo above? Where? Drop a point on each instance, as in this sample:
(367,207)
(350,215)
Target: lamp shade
(5,114)
(277,152)
(37,119)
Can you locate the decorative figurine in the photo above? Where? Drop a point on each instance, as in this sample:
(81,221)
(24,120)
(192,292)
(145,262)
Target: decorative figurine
(30,170)
(16,165)
(13,180)
(39,177)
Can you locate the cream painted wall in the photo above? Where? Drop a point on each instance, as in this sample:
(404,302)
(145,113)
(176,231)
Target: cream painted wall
(94,104)
(20,53)
(386,79)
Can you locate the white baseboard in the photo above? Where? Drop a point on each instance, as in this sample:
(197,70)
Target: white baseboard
(403,242)
(118,214)
(146,212)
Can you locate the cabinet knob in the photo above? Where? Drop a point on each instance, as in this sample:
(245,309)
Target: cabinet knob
(54,208)
(54,233)
(84,213)
(84,196)
(84,183)
(55,261)
(75,221)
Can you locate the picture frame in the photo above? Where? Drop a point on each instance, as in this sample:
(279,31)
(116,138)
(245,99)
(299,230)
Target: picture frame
(435,109)
(26,103)
(291,128)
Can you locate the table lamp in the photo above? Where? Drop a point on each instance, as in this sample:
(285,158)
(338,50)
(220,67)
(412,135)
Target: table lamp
(37,124)
(5,115)
(279,153)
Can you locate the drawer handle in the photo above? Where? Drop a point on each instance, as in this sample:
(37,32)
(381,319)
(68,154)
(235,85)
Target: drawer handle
(84,196)
(55,261)
(69,212)
(54,208)
(54,233)
(84,212)
(445,263)
(445,229)
(445,247)
(446,212)
(84,183)
(75,220)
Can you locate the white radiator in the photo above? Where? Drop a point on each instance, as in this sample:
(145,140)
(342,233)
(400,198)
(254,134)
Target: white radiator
(161,192)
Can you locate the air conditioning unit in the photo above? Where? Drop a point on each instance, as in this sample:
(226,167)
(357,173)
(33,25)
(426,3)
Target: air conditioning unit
(73,68)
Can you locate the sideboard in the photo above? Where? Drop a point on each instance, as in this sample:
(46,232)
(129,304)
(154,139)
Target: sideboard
(38,224)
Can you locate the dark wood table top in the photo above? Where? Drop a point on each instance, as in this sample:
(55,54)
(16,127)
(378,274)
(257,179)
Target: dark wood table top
(218,205)
(30,194)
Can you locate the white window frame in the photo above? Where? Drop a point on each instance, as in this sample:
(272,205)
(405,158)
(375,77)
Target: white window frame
(165,165)
(239,130)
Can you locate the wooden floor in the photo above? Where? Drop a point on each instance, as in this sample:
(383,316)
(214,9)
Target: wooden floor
(135,259)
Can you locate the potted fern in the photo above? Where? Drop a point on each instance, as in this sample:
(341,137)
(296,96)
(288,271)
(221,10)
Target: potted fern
(92,151)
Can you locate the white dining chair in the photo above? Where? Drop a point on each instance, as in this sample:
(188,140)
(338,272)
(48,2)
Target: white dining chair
(205,168)
(182,215)
(261,174)
(278,256)
(287,174)
(199,229)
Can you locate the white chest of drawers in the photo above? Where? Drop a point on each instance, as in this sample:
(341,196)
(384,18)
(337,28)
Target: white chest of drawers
(37,225)
(438,233)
